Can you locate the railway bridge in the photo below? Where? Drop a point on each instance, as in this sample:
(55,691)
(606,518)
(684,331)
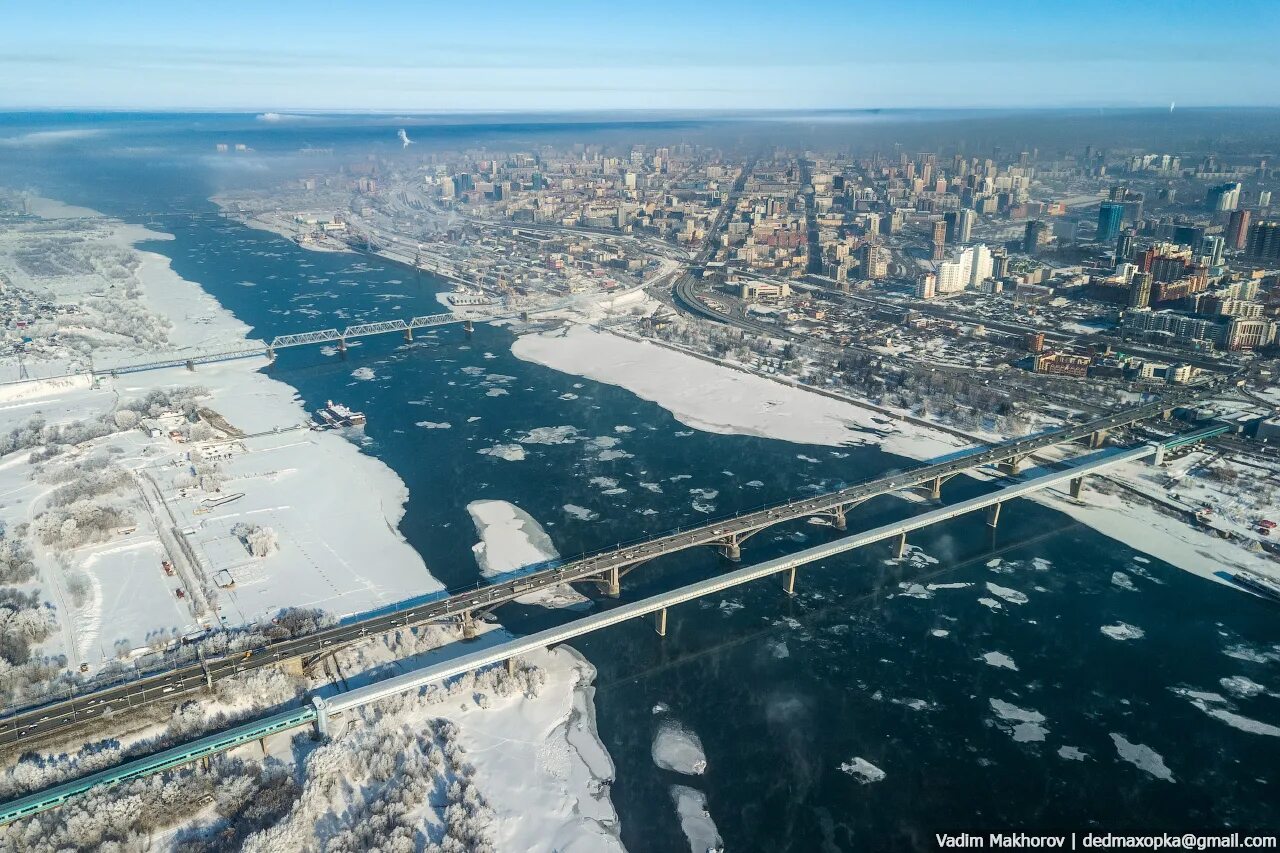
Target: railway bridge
(340,337)
(606,570)
(324,712)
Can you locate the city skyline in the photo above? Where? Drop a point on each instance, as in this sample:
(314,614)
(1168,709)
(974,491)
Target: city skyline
(388,56)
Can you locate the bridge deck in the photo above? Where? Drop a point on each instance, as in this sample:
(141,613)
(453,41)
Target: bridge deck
(513,648)
(23,725)
(623,613)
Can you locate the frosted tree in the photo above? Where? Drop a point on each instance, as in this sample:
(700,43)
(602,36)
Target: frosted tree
(258,541)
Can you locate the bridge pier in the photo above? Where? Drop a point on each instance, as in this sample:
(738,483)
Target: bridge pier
(899,546)
(408,335)
(511,666)
(1077,484)
(935,489)
(1097,439)
(662,622)
(1158,458)
(789,581)
(838,520)
(613,587)
(468,627)
(1010,467)
(322,717)
(468,327)
(993,514)
(271,354)
(191,365)
(342,345)
(732,549)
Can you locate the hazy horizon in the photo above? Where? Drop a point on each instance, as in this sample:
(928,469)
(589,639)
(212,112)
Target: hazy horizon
(393,56)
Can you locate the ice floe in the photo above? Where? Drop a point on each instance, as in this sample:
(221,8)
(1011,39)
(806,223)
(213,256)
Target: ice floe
(1024,724)
(1143,757)
(1238,685)
(1010,595)
(999,659)
(1123,581)
(862,770)
(678,749)
(1220,708)
(695,819)
(1123,631)
(509,452)
(551,435)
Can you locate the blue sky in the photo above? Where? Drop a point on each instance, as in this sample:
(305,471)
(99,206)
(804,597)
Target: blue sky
(797,54)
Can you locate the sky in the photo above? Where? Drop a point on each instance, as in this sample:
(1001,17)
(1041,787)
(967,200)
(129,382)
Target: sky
(387,55)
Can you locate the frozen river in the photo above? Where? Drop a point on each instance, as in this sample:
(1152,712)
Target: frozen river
(1048,678)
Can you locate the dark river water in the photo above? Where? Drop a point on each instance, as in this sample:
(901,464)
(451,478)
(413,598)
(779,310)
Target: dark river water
(994,702)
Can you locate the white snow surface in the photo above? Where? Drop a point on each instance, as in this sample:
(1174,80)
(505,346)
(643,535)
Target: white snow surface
(1123,631)
(542,764)
(1023,723)
(679,749)
(337,510)
(999,659)
(511,539)
(721,399)
(862,770)
(717,399)
(1143,757)
(695,819)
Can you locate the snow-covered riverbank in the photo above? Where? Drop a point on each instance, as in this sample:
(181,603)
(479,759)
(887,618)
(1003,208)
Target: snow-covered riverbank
(335,512)
(714,398)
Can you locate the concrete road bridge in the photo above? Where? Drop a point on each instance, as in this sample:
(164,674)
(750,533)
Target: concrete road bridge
(323,713)
(22,728)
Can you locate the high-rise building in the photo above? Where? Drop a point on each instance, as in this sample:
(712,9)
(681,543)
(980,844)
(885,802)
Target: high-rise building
(970,267)
(951,218)
(1212,248)
(999,263)
(1140,290)
(1124,247)
(939,239)
(954,275)
(982,264)
(927,286)
(1035,236)
(875,261)
(1110,215)
(1238,229)
(1223,197)
(1264,240)
(1187,234)
(959,225)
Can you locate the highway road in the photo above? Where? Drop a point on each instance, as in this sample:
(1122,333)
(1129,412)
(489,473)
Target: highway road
(22,728)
